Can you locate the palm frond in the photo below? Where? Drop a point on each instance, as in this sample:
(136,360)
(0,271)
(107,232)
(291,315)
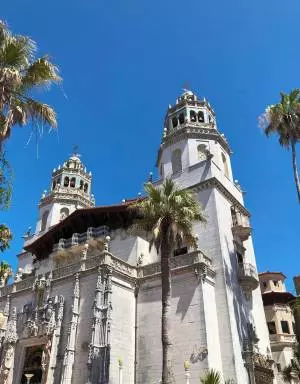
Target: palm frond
(169,210)
(5,237)
(17,52)
(41,72)
(211,377)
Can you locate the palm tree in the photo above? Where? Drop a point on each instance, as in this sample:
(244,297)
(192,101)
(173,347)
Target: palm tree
(284,119)
(211,377)
(21,74)
(287,374)
(168,214)
(293,369)
(5,237)
(5,272)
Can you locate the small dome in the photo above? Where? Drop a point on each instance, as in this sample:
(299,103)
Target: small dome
(75,157)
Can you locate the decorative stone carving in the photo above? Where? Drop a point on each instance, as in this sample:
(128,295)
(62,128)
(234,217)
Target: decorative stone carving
(9,345)
(99,349)
(72,331)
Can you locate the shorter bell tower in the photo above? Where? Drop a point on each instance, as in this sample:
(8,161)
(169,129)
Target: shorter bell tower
(70,190)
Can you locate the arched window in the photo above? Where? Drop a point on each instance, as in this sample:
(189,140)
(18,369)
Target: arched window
(64,212)
(176,161)
(53,184)
(181,118)
(225,165)
(66,181)
(174,122)
(202,152)
(86,187)
(73,182)
(81,184)
(193,116)
(44,220)
(201,117)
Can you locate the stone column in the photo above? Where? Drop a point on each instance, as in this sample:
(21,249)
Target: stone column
(9,345)
(69,355)
(54,343)
(99,349)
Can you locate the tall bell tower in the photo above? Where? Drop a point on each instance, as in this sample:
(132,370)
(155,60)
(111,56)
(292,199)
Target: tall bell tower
(196,156)
(70,189)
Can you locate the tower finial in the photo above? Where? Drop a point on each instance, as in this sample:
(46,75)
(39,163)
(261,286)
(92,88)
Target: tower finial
(75,150)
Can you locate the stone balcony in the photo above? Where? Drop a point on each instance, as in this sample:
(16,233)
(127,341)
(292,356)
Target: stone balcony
(241,226)
(283,338)
(248,277)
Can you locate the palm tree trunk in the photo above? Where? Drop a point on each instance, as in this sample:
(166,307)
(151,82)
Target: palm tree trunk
(166,295)
(296,175)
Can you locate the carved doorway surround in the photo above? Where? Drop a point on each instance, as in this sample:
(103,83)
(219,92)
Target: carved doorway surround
(24,348)
(33,365)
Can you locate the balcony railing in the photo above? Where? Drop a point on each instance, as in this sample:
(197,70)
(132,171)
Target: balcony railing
(283,338)
(248,277)
(241,226)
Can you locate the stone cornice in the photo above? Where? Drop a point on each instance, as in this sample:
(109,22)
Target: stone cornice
(194,261)
(65,195)
(213,182)
(190,131)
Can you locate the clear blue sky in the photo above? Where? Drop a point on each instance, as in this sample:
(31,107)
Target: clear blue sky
(123,62)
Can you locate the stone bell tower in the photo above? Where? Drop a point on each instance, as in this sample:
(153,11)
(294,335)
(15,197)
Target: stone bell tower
(196,155)
(70,189)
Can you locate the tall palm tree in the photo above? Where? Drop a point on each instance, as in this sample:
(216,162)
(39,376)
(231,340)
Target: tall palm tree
(284,119)
(168,213)
(211,377)
(21,74)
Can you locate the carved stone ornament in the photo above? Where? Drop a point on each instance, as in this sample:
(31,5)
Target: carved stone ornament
(41,321)
(9,345)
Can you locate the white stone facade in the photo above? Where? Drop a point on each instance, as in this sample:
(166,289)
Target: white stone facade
(93,296)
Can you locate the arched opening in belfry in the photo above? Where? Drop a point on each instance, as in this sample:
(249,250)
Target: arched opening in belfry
(174,121)
(193,116)
(201,117)
(225,165)
(86,187)
(73,182)
(54,184)
(44,220)
(66,181)
(176,161)
(181,118)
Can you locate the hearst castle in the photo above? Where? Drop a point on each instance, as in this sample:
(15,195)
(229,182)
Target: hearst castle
(86,300)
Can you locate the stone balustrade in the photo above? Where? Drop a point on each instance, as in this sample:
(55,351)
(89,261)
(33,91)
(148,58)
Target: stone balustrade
(283,338)
(81,238)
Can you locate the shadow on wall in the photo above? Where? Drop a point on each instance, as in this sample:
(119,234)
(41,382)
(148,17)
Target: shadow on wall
(233,284)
